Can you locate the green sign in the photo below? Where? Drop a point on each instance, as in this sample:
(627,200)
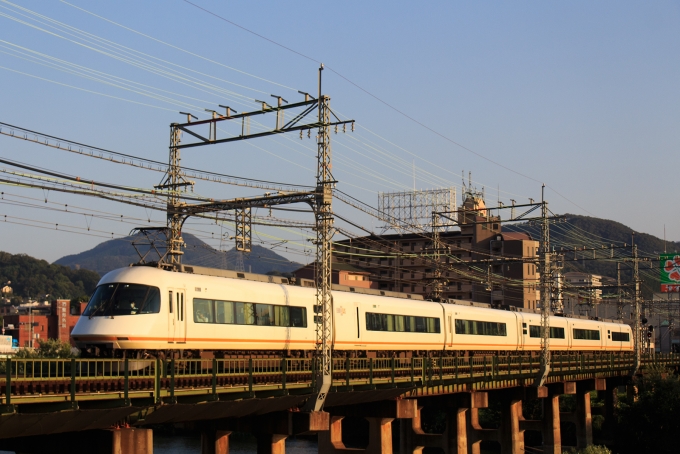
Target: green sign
(670,272)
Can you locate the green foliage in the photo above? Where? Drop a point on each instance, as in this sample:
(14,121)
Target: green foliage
(47,348)
(650,424)
(594,449)
(33,277)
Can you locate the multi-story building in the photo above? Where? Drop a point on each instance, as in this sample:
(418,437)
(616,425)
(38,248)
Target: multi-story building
(582,292)
(342,274)
(478,263)
(29,324)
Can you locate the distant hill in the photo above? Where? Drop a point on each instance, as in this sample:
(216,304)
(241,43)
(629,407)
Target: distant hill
(120,253)
(587,231)
(36,278)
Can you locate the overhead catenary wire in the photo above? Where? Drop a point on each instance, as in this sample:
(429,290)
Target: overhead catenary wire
(400,112)
(120,52)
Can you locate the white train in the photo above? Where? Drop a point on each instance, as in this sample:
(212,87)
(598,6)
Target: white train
(148,311)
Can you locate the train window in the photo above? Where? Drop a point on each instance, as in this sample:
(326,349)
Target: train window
(264,315)
(244,313)
(481,328)
(224,312)
(586,334)
(399,323)
(620,337)
(235,313)
(298,317)
(402,323)
(203,311)
(123,299)
(555,332)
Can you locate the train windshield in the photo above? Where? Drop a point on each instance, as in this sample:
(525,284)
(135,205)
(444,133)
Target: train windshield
(123,299)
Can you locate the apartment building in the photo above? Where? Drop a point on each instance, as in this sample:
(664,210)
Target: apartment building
(478,263)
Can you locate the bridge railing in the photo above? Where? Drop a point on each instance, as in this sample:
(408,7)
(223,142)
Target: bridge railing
(164,378)
(47,369)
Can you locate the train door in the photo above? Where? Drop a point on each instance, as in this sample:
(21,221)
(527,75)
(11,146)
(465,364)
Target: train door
(357,320)
(449,330)
(570,335)
(177,317)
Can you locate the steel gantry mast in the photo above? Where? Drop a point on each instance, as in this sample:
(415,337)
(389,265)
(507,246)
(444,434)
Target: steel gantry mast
(546,282)
(320,199)
(323,212)
(637,298)
(545,264)
(437,249)
(174,181)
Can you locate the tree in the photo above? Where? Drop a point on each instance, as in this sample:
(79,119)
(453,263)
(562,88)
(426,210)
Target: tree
(652,423)
(48,348)
(33,277)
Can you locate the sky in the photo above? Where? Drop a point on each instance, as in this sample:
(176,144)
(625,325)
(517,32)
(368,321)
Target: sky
(581,96)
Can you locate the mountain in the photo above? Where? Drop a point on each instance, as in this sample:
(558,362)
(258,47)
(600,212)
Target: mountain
(120,253)
(36,278)
(588,231)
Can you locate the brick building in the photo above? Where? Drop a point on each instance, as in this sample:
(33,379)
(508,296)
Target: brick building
(480,262)
(342,274)
(29,324)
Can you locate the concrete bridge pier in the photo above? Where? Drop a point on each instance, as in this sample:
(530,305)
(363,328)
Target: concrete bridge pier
(549,426)
(215,441)
(270,430)
(379,437)
(511,430)
(462,433)
(610,397)
(550,430)
(379,415)
(582,415)
(271,443)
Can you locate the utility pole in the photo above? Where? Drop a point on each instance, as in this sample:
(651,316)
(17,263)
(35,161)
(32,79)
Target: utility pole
(557,300)
(546,284)
(173,182)
(175,242)
(619,300)
(637,298)
(324,232)
(437,283)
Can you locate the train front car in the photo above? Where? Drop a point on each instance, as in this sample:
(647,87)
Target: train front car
(125,314)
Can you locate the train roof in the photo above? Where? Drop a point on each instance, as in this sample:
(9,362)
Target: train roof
(265,278)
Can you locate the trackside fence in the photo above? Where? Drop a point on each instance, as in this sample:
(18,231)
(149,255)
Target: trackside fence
(35,380)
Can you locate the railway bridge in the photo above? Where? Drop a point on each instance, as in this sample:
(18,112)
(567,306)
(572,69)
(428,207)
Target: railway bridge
(95,405)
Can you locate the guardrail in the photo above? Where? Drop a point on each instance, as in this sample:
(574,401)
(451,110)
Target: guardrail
(69,380)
